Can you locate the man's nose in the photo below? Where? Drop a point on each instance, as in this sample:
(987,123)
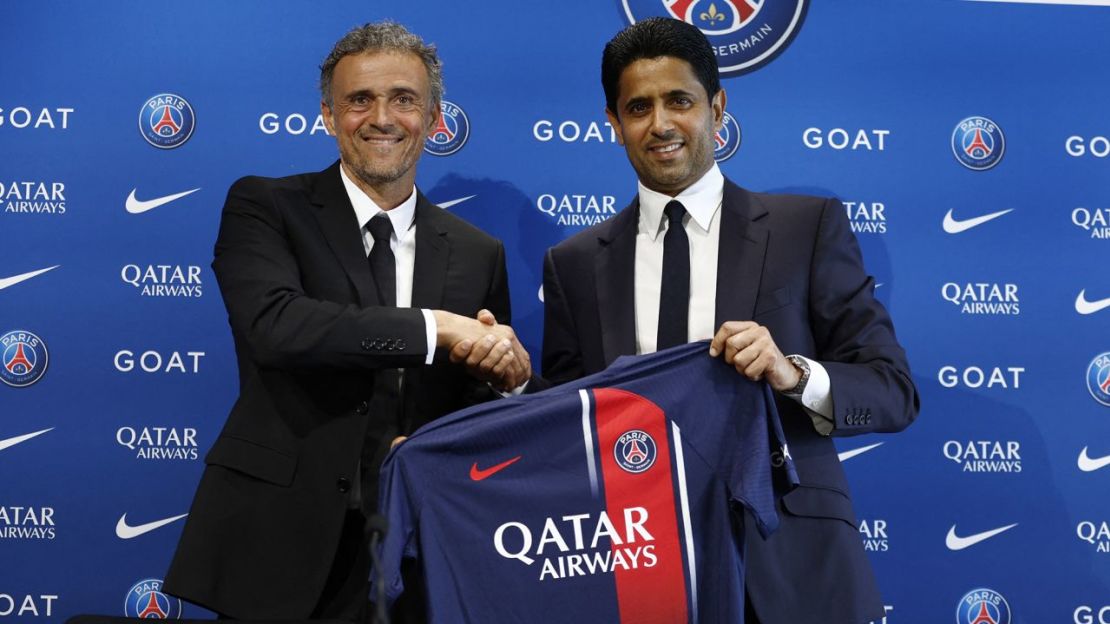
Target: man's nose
(662,122)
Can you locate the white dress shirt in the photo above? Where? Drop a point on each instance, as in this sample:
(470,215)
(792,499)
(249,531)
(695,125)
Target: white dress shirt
(402,242)
(702,201)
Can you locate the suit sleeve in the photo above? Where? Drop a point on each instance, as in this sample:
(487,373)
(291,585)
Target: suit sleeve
(871,386)
(259,278)
(562,355)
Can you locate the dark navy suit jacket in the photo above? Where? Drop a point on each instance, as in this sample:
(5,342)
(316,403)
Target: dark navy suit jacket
(792,264)
(310,335)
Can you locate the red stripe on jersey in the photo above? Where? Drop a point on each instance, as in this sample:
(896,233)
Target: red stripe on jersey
(644,594)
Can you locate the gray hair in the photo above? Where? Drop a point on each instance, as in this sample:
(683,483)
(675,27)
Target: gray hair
(380,37)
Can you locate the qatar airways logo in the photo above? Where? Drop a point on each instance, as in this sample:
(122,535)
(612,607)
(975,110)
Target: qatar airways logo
(577,210)
(164,280)
(27,523)
(1096,534)
(161,443)
(1094,221)
(866,217)
(986,298)
(572,551)
(874,535)
(984,455)
(33,197)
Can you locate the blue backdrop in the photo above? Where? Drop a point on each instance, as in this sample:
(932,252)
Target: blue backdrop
(112,300)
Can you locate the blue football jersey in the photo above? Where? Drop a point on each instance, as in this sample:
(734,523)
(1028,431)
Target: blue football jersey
(616,498)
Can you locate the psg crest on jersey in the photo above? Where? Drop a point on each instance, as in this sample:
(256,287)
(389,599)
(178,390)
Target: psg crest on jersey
(745,34)
(451,133)
(634,451)
(978,143)
(727,139)
(145,600)
(23,358)
(166,121)
(983,606)
(1098,378)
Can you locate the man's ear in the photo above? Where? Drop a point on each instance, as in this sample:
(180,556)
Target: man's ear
(616,124)
(718,104)
(325,113)
(433,119)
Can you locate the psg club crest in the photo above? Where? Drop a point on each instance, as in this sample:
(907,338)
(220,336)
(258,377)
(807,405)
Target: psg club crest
(727,139)
(745,34)
(634,451)
(23,358)
(451,133)
(983,606)
(1098,378)
(978,143)
(145,600)
(166,121)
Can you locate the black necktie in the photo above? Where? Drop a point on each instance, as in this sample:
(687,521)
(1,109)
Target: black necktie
(674,294)
(382,263)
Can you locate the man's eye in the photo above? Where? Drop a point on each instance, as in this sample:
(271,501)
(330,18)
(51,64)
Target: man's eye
(637,108)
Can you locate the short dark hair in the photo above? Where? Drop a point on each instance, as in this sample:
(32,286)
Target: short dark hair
(383,36)
(653,38)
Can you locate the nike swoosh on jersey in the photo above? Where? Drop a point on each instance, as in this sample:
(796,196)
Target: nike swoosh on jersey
(126,531)
(15,279)
(955,542)
(10,442)
(447,204)
(1083,306)
(136,206)
(846,455)
(1091,464)
(955,226)
(477,474)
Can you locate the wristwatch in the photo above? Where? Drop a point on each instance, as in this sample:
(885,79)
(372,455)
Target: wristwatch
(803,366)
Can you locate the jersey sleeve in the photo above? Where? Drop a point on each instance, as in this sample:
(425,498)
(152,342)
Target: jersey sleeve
(398,504)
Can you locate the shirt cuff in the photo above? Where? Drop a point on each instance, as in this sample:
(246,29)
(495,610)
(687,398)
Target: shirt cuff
(817,397)
(430,328)
(517,391)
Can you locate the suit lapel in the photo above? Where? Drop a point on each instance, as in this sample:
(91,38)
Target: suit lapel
(740,256)
(340,226)
(429,273)
(615,267)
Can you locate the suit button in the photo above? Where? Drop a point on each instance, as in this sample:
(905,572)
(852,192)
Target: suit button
(343,485)
(366,345)
(363,408)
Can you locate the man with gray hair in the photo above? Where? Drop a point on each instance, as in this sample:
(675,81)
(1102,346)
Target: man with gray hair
(339,286)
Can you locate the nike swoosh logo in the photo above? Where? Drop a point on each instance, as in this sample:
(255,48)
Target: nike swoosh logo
(135,206)
(126,531)
(955,542)
(477,474)
(1083,306)
(447,204)
(954,226)
(10,442)
(1089,464)
(846,455)
(15,279)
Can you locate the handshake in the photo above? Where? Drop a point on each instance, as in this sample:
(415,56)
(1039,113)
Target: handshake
(490,352)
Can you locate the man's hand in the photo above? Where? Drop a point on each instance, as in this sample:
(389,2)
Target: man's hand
(748,346)
(490,352)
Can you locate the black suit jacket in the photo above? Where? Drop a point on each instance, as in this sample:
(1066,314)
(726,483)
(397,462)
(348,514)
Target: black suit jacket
(790,263)
(309,337)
